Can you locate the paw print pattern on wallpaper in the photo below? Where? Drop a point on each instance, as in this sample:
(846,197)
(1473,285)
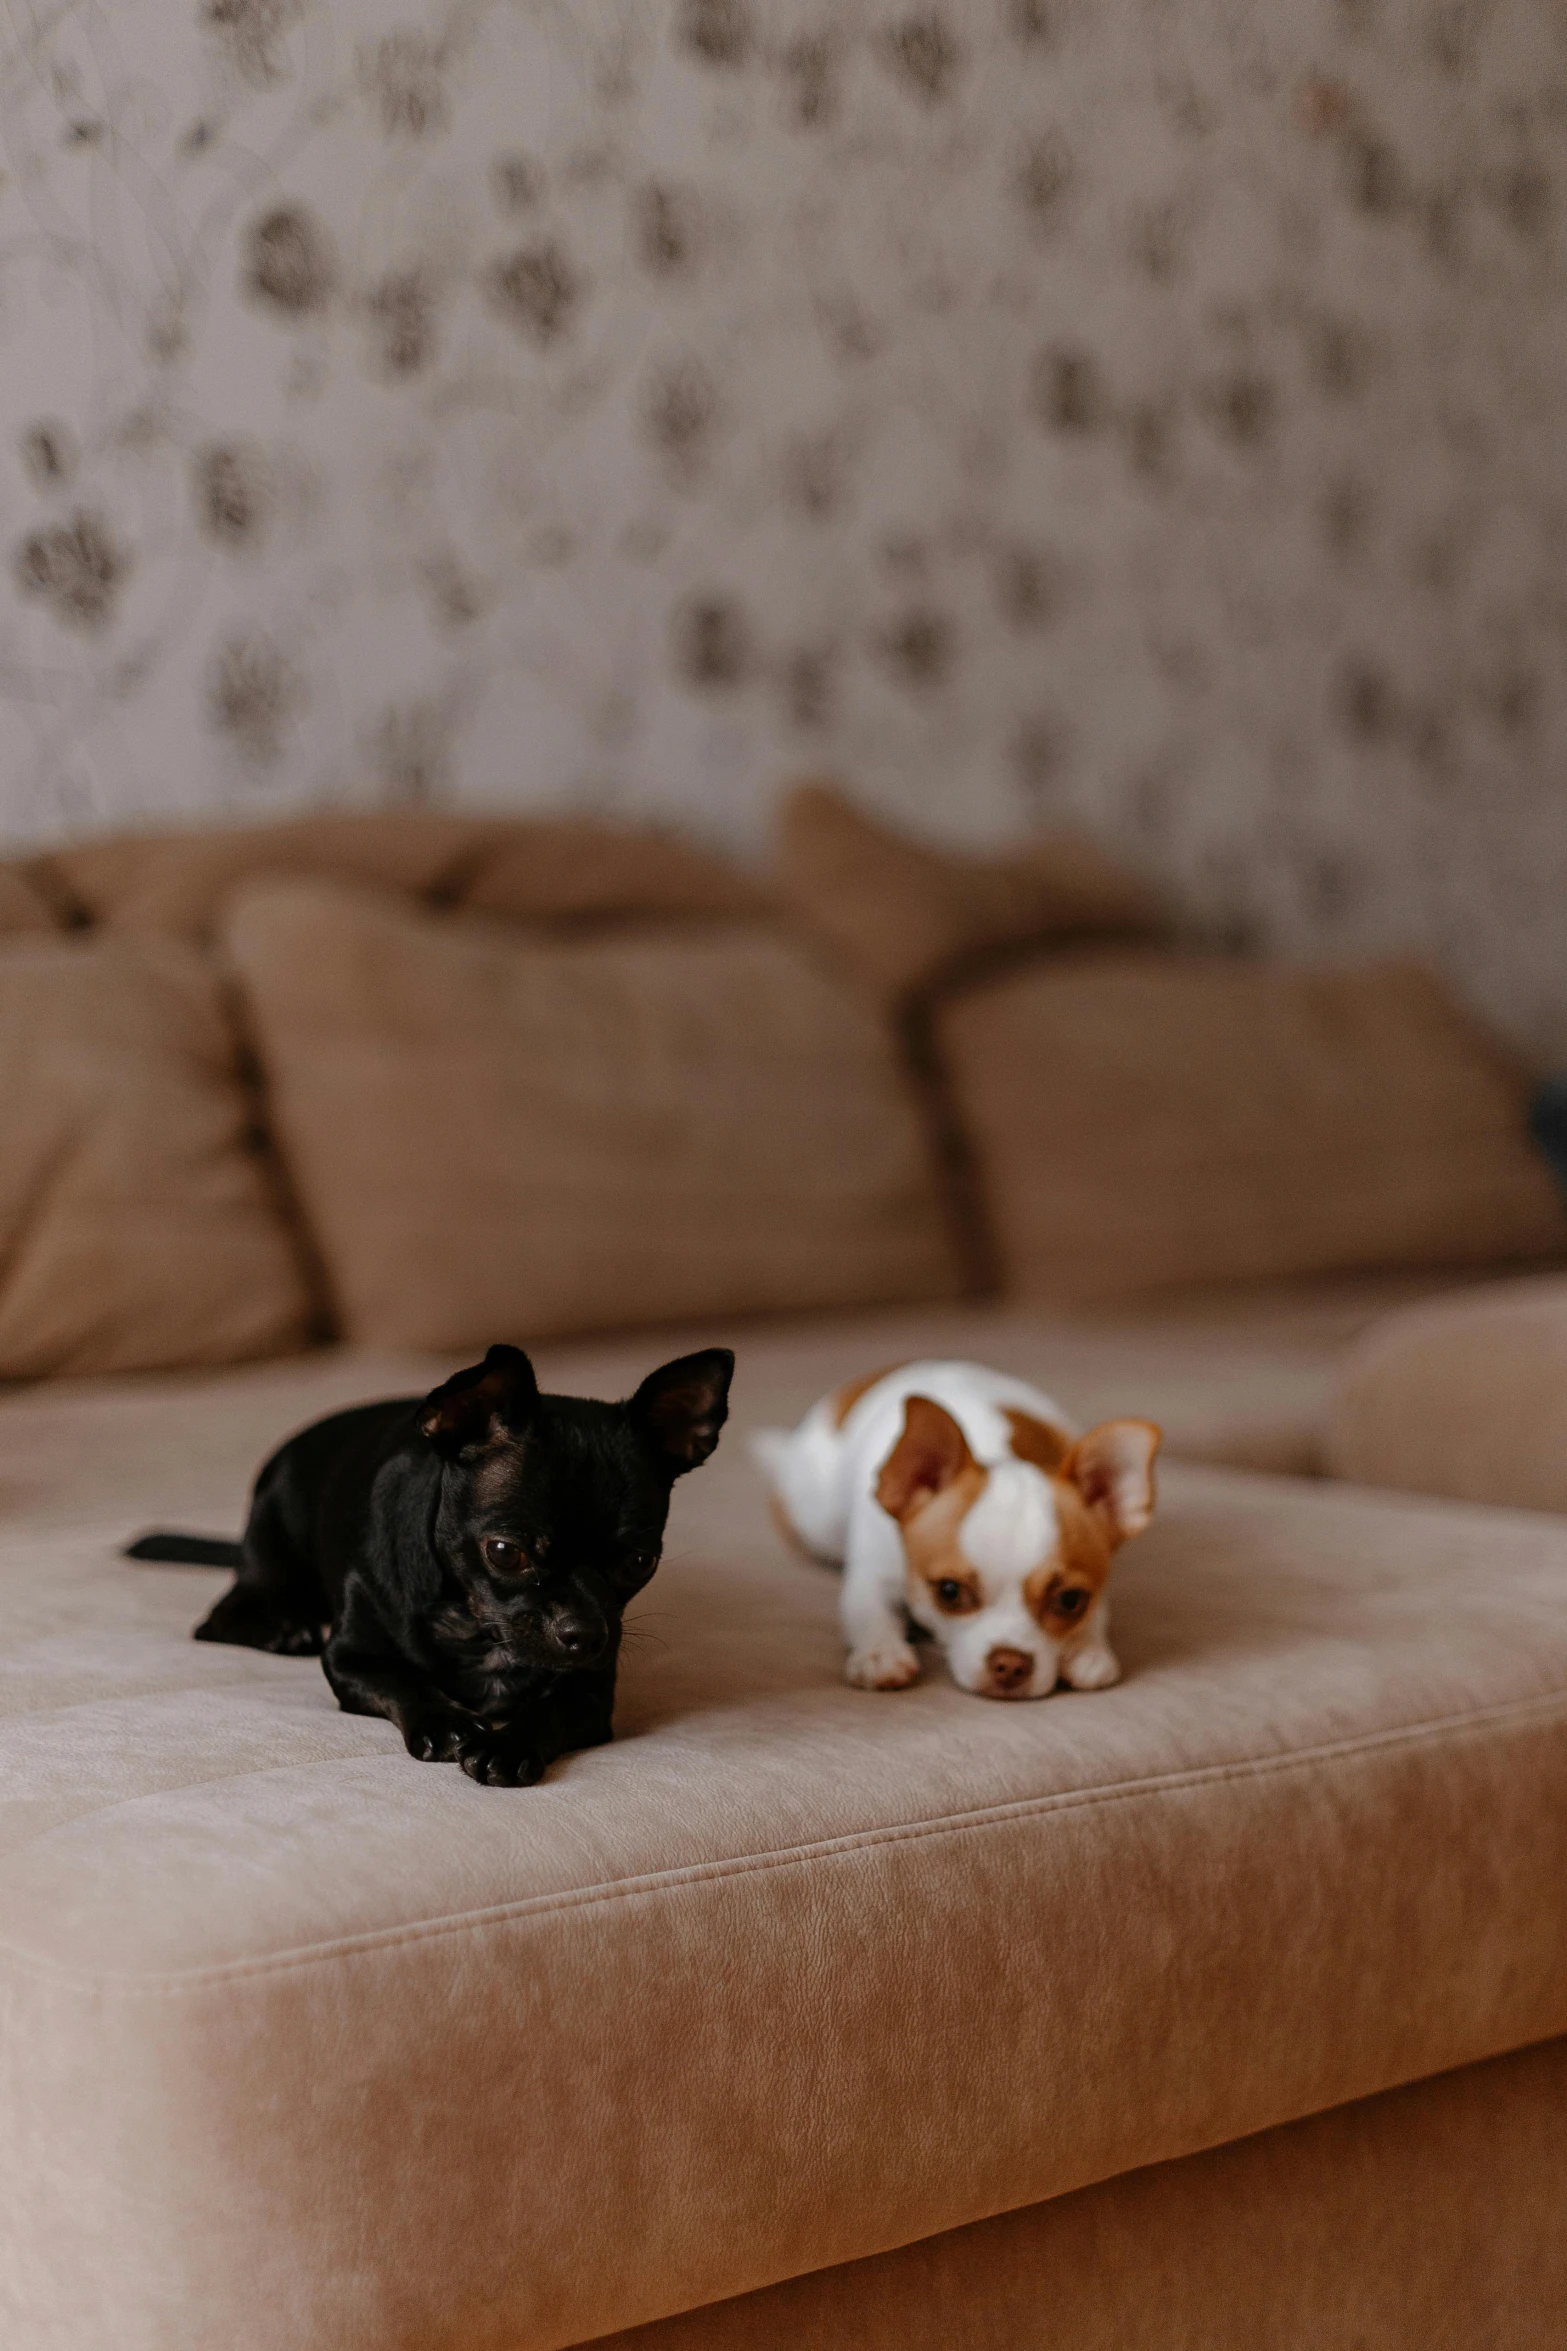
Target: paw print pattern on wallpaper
(1033,409)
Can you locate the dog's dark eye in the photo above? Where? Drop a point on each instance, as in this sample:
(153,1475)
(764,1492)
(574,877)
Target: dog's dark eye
(951,1594)
(1071,1602)
(505,1556)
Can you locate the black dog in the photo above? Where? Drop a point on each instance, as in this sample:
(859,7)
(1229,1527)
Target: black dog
(468,1554)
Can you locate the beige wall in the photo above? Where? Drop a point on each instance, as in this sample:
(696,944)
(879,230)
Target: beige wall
(1146,410)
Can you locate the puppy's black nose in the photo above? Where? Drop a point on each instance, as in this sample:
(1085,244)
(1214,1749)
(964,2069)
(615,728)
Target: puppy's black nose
(572,1638)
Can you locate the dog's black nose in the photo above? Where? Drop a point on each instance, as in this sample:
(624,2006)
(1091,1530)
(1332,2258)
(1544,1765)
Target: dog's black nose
(572,1638)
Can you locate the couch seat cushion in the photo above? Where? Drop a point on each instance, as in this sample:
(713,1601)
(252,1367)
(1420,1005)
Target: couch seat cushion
(311,2046)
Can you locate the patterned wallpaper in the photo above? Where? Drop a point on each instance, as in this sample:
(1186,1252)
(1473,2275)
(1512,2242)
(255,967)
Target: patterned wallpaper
(1144,411)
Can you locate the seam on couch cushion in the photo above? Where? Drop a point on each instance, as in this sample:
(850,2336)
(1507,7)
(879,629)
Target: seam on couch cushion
(1542,1705)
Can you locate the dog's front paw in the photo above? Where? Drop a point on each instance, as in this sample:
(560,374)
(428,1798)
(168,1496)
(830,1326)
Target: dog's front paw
(294,1639)
(1094,1668)
(499,1758)
(434,1737)
(888,1665)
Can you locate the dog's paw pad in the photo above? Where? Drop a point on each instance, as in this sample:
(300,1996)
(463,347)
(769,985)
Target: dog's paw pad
(1091,1669)
(891,1666)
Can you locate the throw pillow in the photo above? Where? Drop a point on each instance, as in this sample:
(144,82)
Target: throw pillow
(497,1136)
(137,1229)
(1143,1121)
(902,917)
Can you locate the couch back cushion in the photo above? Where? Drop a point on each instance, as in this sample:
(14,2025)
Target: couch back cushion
(179,881)
(22,905)
(901,916)
(497,1135)
(1463,1396)
(573,870)
(137,1227)
(540,868)
(1145,1121)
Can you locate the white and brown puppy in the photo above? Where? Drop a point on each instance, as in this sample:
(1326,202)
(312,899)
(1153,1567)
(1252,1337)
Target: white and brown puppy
(965,1500)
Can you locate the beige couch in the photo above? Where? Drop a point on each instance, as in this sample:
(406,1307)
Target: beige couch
(1221,2009)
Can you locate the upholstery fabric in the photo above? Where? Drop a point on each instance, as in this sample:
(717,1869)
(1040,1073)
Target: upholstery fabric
(137,1227)
(901,915)
(1464,1396)
(1548,1123)
(1139,1121)
(179,881)
(489,1131)
(1240,1394)
(578,869)
(22,906)
(1429,2219)
(309,2047)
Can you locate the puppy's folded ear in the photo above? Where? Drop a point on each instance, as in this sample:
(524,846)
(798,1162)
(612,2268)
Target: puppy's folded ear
(931,1452)
(491,1399)
(1112,1468)
(681,1407)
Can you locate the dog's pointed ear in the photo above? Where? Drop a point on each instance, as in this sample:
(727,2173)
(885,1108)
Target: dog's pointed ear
(1112,1468)
(495,1398)
(929,1455)
(681,1407)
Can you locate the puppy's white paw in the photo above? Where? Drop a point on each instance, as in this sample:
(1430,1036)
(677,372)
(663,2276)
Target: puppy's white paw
(891,1665)
(1093,1668)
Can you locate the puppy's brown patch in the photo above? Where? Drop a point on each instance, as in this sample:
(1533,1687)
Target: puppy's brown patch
(846,1398)
(929,1483)
(1112,1469)
(931,1455)
(1082,1564)
(1035,1440)
(932,1548)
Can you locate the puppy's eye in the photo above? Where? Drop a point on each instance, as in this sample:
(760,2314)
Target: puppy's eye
(950,1594)
(505,1556)
(1071,1602)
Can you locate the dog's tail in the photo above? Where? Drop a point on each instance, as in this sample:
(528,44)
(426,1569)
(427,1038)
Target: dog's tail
(186,1550)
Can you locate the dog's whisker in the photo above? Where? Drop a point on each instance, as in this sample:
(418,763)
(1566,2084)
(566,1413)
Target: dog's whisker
(636,1637)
